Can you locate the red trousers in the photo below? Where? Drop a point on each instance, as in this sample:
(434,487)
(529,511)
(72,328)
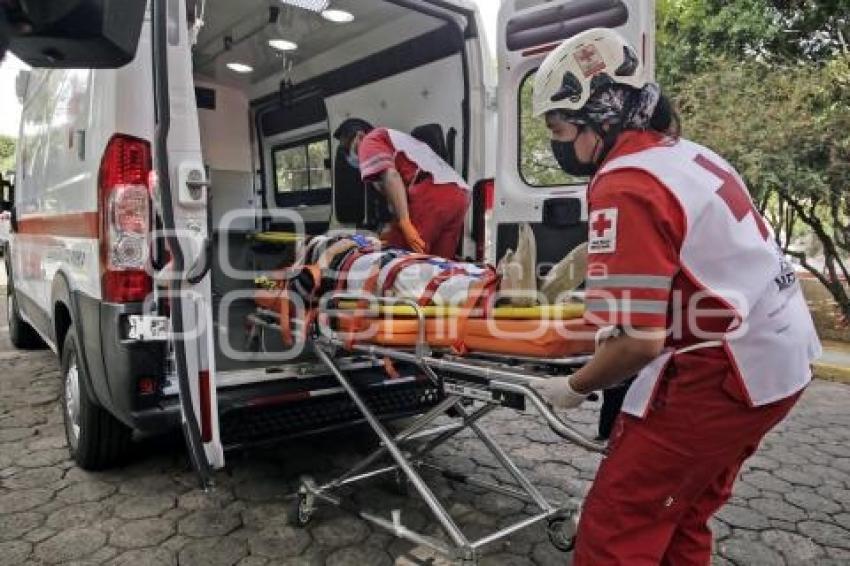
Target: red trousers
(438,212)
(667,474)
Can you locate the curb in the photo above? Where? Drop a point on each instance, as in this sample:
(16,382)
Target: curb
(829,372)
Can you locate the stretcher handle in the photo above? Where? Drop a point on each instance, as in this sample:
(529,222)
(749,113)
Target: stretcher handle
(560,428)
(330,300)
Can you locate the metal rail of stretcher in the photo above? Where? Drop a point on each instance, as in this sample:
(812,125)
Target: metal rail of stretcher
(466,402)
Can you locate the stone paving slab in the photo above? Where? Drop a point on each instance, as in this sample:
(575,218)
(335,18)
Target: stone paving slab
(791,505)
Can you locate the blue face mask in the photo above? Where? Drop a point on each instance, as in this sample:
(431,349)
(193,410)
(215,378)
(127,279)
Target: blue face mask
(353,160)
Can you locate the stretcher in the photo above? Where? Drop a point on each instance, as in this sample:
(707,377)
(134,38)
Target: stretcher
(549,331)
(471,384)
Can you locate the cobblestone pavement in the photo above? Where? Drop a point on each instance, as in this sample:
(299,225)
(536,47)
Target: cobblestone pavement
(792,505)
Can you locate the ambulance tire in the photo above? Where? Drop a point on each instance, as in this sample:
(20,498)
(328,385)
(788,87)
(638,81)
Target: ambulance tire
(96,439)
(21,334)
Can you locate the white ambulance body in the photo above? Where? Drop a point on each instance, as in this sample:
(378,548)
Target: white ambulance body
(222,131)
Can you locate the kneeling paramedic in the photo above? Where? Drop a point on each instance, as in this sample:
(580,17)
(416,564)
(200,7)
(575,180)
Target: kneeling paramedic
(427,197)
(695,297)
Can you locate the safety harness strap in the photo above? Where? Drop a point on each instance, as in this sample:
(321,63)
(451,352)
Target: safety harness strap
(476,293)
(437,281)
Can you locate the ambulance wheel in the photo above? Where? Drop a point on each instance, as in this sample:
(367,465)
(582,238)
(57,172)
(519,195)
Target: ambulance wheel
(562,532)
(21,334)
(96,439)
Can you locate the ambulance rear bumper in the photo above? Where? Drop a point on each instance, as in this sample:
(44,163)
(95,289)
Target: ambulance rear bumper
(269,412)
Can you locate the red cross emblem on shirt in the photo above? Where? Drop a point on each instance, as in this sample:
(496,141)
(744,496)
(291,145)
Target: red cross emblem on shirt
(601,225)
(735,195)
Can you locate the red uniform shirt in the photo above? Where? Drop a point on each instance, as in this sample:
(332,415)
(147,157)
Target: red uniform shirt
(437,211)
(377,154)
(636,280)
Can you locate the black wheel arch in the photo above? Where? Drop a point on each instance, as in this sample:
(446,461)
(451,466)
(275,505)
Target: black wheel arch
(60,317)
(65,317)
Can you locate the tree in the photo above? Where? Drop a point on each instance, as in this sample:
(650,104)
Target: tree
(787,130)
(766,83)
(7,153)
(693,33)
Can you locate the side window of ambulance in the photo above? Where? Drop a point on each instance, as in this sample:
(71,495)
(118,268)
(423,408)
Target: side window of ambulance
(302,167)
(537,165)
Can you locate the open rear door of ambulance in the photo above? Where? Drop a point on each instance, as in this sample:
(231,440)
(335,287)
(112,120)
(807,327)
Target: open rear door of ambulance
(184,291)
(530,187)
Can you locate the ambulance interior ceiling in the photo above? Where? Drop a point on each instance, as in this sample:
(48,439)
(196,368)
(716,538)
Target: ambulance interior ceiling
(392,65)
(240,32)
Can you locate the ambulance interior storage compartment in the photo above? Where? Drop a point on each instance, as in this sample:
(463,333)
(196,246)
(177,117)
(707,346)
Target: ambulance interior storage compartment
(272,80)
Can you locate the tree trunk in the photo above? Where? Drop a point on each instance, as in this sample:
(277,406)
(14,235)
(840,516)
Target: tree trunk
(832,277)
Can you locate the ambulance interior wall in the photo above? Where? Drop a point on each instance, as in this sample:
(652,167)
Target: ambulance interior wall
(224,119)
(432,93)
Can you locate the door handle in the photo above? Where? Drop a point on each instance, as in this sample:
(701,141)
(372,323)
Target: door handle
(198,184)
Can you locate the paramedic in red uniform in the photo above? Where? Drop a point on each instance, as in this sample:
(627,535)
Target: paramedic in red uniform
(427,197)
(692,295)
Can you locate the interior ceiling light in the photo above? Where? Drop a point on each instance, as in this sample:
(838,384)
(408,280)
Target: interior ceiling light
(338,16)
(240,68)
(283,45)
(312,5)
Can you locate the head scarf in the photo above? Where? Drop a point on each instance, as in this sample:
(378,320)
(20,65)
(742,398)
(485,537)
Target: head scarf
(630,108)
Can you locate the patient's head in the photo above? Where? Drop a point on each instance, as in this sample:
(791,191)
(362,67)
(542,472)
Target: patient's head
(350,133)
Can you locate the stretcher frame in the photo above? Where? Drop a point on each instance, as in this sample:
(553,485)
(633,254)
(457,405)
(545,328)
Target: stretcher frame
(470,387)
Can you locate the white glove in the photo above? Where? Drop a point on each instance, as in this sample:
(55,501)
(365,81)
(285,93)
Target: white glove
(559,392)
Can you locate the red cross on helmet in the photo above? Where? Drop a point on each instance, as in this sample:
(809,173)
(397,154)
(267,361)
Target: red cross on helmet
(582,65)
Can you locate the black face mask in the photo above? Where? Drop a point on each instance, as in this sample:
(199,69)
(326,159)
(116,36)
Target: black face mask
(565,155)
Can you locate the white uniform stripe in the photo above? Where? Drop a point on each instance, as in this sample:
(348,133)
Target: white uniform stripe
(627,306)
(630,282)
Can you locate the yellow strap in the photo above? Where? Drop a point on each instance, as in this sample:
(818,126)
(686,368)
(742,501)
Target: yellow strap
(277,237)
(555,312)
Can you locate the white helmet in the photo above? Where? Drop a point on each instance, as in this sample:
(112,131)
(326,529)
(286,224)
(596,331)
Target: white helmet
(582,65)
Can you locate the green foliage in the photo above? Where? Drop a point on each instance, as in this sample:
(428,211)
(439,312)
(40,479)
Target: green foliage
(7,154)
(693,33)
(537,164)
(766,83)
(787,131)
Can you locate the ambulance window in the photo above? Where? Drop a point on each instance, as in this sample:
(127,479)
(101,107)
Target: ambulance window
(302,166)
(537,165)
(318,156)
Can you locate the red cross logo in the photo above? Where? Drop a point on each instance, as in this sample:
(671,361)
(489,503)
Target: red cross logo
(734,195)
(589,59)
(601,225)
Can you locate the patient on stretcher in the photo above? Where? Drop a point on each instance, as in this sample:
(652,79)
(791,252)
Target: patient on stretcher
(360,264)
(468,307)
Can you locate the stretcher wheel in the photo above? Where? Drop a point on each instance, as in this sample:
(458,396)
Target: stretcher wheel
(302,511)
(305,504)
(562,531)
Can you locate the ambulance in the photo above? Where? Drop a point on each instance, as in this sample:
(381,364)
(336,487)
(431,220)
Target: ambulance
(150,198)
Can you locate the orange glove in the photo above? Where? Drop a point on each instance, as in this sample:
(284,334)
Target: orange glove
(411,235)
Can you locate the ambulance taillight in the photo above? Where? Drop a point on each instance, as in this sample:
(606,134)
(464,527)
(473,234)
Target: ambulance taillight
(125,220)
